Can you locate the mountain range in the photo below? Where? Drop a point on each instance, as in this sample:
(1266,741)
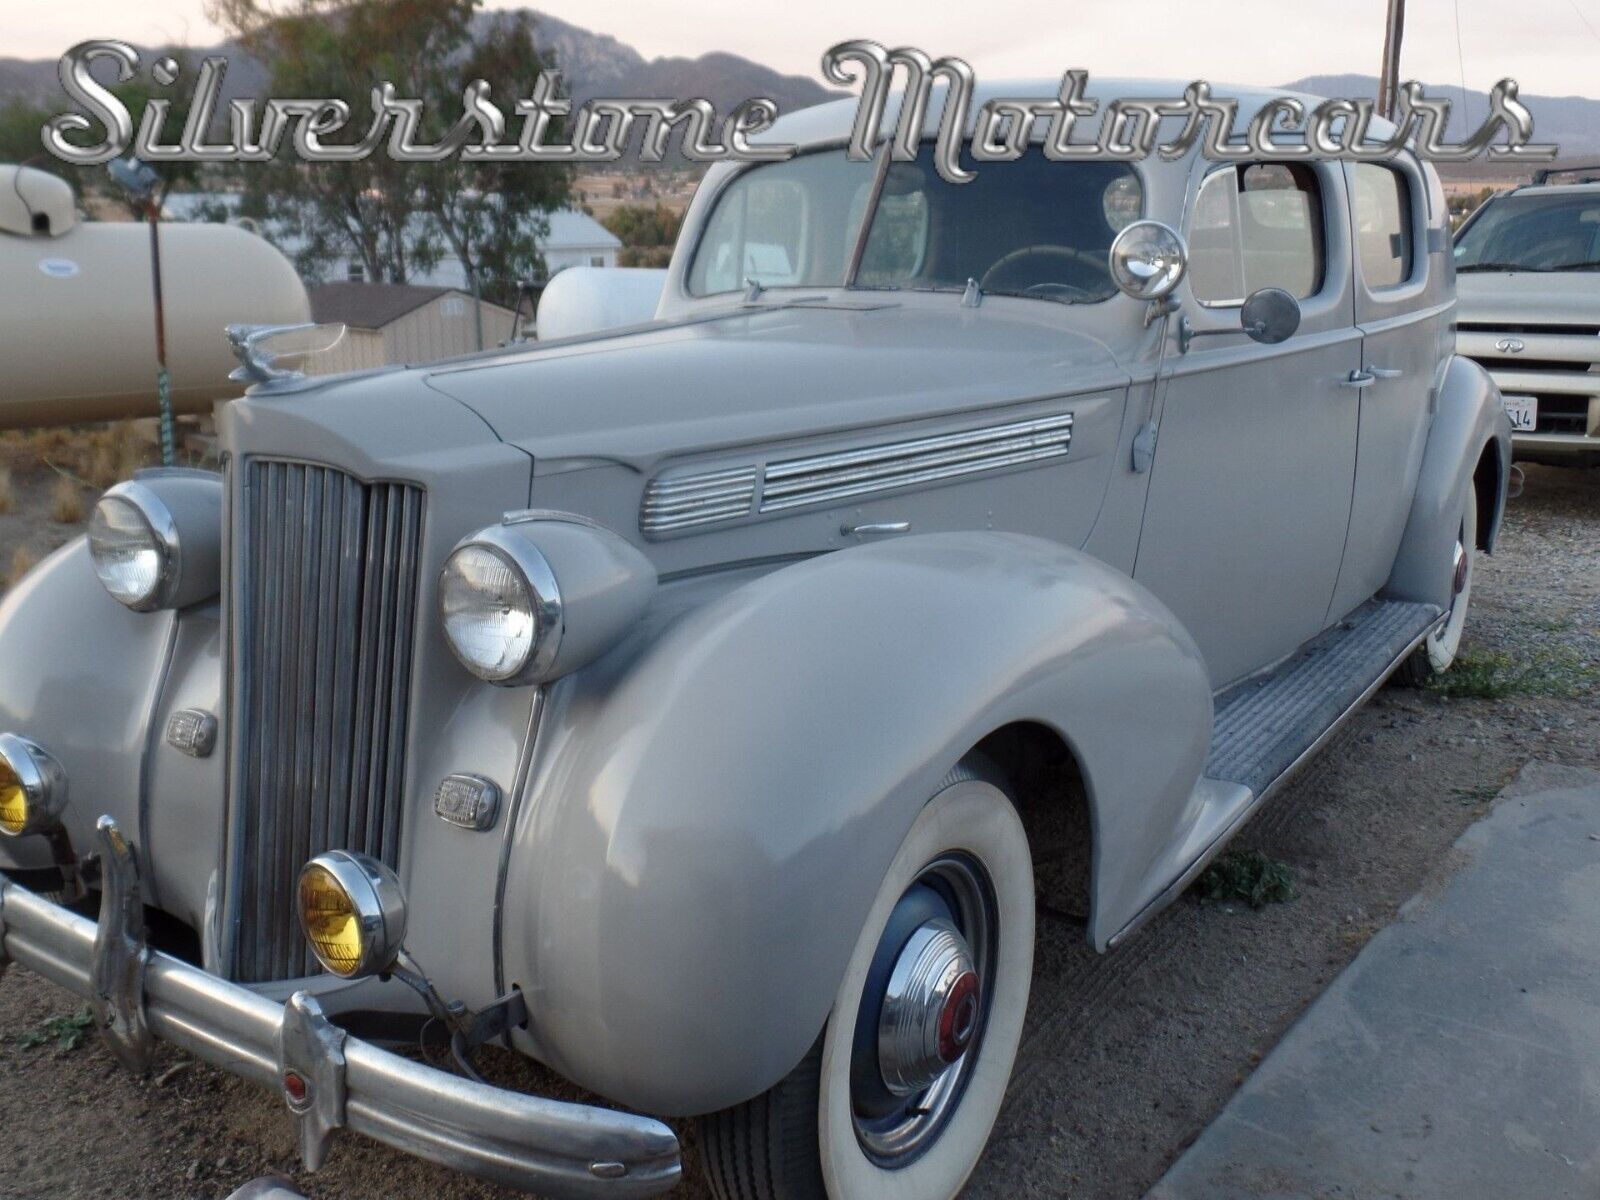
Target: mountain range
(592,64)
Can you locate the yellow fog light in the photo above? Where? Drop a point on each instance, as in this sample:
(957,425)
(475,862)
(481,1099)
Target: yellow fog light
(353,913)
(33,787)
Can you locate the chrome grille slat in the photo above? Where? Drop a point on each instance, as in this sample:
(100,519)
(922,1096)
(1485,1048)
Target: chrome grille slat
(329,575)
(803,466)
(821,478)
(680,502)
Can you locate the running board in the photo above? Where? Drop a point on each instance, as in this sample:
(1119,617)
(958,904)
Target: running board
(1267,727)
(1267,724)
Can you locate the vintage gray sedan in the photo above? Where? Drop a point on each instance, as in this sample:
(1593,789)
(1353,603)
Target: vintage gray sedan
(685,705)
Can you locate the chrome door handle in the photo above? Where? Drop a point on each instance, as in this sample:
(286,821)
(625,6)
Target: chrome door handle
(1383,372)
(878,529)
(1358,379)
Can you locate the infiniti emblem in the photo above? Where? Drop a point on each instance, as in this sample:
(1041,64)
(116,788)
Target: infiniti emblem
(1510,346)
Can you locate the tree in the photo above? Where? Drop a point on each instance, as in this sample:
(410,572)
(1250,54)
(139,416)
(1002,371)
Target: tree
(400,218)
(647,233)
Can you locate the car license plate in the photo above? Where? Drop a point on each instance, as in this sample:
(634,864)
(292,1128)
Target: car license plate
(1523,411)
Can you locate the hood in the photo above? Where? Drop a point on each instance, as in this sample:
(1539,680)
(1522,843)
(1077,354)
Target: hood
(1529,298)
(736,376)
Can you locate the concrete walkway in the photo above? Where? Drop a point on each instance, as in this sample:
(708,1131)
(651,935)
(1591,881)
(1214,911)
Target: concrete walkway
(1458,1057)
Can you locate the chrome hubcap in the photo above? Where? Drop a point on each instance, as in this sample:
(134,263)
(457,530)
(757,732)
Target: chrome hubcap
(923,1010)
(1459,582)
(930,1010)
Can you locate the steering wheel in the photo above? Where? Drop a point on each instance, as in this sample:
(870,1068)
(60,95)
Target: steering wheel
(1087,259)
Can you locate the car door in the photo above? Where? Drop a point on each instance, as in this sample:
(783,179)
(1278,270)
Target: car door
(1403,300)
(1249,500)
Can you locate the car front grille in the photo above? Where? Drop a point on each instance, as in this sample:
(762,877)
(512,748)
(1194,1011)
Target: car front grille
(1556,364)
(325,598)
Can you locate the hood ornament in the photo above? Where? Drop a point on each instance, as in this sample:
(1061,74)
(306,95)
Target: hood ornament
(260,348)
(1510,345)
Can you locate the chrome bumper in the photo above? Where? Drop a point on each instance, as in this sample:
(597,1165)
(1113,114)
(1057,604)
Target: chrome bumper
(528,1142)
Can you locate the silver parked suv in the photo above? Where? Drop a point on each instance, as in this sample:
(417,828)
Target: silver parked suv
(1529,290)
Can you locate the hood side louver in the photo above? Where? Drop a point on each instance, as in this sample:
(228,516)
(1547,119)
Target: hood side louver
(682,502)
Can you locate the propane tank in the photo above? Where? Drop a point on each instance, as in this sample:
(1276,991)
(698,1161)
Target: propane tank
(77,319)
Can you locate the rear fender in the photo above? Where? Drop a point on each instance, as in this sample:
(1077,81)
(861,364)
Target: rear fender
(1471,418)
(712,806)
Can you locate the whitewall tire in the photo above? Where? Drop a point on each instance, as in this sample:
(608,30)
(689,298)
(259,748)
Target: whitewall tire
(826,1130)
(1438,652)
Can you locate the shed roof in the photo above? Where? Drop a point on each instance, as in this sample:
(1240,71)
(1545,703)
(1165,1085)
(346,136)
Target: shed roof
(370,305)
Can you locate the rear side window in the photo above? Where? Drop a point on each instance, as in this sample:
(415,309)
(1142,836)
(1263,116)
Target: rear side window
(1255,226)
(1382,204)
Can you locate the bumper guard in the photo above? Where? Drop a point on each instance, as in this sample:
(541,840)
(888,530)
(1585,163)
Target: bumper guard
(328,1079)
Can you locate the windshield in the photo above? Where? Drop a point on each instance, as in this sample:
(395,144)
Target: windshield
(1030,227)
(1533,233)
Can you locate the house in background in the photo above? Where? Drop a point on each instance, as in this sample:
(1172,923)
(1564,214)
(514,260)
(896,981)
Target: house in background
(575,239)
(393,323)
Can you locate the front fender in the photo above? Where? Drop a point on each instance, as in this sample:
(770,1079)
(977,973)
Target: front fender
(712,806)
(1471,416)
(80,674)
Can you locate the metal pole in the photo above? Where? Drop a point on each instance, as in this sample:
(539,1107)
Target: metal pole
(163,379)
(477,305)
(1389,76)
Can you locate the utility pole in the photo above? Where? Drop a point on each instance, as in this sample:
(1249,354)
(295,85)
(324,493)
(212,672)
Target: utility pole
(1389,76)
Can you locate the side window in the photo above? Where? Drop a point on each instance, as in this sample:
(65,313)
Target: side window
(1255,226)
(760,231)
(1216,267)
(1280,211)
(1382,203)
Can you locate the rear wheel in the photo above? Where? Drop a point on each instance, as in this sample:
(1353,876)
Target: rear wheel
(897,1097)
(1436,654)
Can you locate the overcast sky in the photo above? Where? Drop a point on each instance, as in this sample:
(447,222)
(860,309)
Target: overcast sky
(1549,46)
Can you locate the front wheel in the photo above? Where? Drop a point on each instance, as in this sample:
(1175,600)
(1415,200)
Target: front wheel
(1436,654)
(898,1096)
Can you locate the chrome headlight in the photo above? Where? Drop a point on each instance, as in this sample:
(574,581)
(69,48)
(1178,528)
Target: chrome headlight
(501,607)
(352,912)
(539,595)
(156,540)
(33,787)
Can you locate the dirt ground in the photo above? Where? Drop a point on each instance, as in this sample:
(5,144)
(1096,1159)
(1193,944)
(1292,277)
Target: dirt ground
(1126,1056)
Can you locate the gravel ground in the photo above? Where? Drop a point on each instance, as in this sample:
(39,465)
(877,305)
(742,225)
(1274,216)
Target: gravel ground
(1126,1056)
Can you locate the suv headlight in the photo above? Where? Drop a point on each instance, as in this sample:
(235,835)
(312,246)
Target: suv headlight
(156,540)
(540,595)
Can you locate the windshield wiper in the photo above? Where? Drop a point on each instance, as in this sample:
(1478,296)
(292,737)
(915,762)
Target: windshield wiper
(1592,264)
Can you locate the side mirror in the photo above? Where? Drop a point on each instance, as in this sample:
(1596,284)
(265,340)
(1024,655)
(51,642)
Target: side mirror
(1269,316)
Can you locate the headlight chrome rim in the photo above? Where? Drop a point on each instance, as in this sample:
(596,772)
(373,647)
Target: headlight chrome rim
(41,780)
(376,902)
(544,595)
(163,530)
(1163,260)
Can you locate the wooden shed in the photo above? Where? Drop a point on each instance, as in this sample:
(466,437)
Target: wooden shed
(397,323)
